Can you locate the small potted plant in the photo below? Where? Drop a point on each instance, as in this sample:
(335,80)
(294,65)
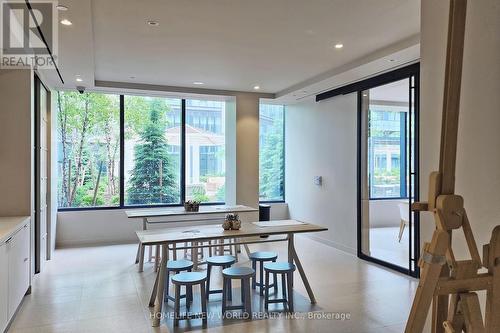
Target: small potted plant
(192,206)
(233,221)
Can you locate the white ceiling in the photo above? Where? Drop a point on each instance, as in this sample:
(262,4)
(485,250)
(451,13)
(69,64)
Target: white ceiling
(227,44)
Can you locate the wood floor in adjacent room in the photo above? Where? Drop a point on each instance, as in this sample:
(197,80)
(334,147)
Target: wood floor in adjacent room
(98,289)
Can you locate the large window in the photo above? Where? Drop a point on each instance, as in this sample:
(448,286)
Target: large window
(152,146)
(271,152)
(205,154)
(88,149)
(117,151)
(386,147)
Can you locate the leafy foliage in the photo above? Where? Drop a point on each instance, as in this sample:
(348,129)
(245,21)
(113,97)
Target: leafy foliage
(152,179)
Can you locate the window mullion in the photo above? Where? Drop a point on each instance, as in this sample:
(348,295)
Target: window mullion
(122,151)
(183,151)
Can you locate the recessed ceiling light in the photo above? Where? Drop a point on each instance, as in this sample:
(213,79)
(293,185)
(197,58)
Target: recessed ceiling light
(256,87)
(79,79)
(198,83)
(66,22)
(62,8)
(339,45)
(153,23)
(365,95)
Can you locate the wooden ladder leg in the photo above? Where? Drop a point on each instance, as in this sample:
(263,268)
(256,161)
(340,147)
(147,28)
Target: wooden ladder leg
(492,262)
(432,264)
(469,305)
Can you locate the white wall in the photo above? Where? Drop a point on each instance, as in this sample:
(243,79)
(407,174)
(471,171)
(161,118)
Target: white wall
(478,156)
(385,213)
(321,141)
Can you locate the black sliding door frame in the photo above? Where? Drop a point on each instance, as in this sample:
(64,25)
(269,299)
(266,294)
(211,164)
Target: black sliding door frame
(412,73)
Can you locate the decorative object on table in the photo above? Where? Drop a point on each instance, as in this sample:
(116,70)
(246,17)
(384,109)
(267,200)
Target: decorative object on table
(233,220)
(192,206)
(226,225)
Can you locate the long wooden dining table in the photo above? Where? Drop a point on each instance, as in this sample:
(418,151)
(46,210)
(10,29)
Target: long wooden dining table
(248,234)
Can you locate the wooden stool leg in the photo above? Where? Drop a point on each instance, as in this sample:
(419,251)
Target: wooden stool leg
(177,304)
(141,258)
(157,257)
(189,297)
(248,297)
(203,303)
(138,253)
(167,285)
(209,270)
(174,251)
(266,298)
(261,277)
(242,290)
(275,280)
(230,289)
(155,288)
(254,282)
(289,279)
(283,288)
(224,295)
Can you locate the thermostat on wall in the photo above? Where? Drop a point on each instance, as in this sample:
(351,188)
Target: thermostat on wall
(318,180)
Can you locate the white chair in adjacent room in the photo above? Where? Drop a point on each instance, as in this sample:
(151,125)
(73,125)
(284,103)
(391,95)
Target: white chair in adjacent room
(404,214)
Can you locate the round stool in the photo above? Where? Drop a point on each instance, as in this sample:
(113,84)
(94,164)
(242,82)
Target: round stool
(176,266)
(221,261)
(188,280)
(286,270)
(262,257)
(244,274)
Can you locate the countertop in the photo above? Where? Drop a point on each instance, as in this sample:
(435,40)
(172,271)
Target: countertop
(9,226)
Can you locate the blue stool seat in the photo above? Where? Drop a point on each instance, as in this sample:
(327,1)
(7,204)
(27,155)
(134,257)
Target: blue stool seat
(279,267)
(263,256)
(187,278)
(221,260)
(179,265)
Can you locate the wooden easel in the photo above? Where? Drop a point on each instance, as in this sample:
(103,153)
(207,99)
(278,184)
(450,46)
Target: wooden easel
(451,288)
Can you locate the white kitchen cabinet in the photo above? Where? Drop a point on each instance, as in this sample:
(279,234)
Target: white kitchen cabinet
(18,253)
(4,287)
(14,266)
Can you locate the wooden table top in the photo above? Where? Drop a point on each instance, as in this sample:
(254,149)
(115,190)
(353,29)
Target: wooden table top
(179,211)
(207,232)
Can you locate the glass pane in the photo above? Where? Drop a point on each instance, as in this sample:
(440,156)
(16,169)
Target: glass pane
(386,209)
(387,142)
(152,150)
(88,149)
(205,150)
(271,152)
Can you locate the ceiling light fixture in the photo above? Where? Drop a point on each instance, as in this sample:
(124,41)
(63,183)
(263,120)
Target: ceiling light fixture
(339,45)
(153,23)
(256,87)
(62,8)
(198,83)
(79,79)
(66,22)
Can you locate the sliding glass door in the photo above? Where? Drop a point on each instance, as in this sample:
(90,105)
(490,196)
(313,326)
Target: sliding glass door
(388,173)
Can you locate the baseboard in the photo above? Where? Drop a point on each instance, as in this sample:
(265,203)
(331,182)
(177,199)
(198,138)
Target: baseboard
(333,244)
(93,242)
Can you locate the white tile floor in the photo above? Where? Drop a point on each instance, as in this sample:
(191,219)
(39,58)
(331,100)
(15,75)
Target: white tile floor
(97,289)
(384,245)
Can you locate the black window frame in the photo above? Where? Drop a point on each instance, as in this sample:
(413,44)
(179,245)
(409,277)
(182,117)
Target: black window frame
(122,204)
(282,161)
